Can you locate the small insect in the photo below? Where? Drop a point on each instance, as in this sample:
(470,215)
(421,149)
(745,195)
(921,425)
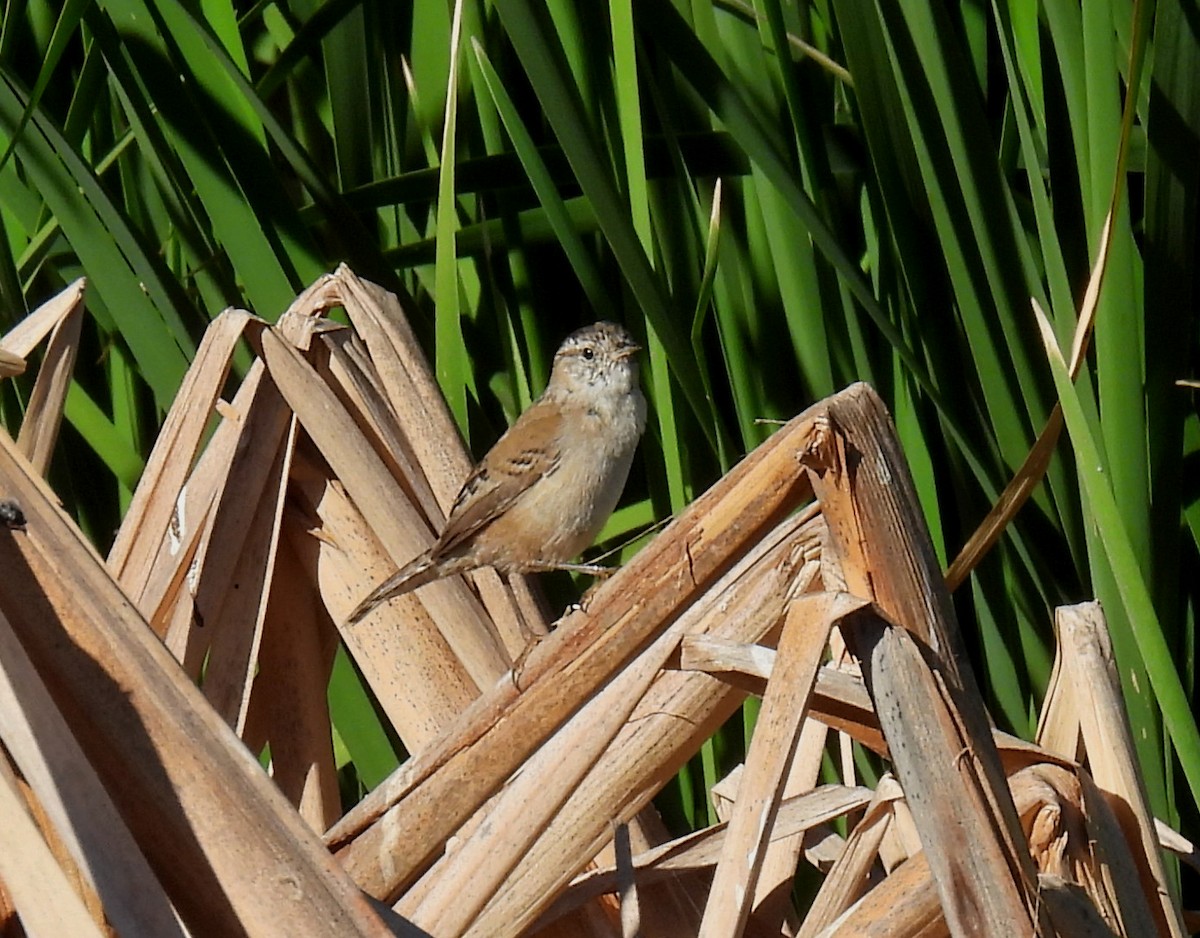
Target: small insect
(11,515)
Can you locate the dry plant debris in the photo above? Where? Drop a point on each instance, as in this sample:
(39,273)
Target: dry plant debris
(135,688)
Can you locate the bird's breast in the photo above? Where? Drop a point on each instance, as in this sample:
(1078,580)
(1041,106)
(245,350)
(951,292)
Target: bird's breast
(560,516)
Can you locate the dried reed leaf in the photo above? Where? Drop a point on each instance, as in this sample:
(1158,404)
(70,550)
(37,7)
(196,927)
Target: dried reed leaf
(24,337)
(43,416)
(724,658)
(840,698)
(229,850)
(1033,469)
(1170,839)
(669,907)
(1086,648)
(666,729)
(40,890)
(354,378)
(848,878)
(1122,889)
(1016,493)
(75,803)
(176,569)
(776,735)
(383,503)
(150,514)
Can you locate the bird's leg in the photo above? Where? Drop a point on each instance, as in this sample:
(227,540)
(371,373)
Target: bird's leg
(590,569)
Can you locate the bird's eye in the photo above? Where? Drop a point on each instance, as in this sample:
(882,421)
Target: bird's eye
(588,353)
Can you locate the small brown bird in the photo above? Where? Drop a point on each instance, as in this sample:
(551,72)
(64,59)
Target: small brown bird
(542,493)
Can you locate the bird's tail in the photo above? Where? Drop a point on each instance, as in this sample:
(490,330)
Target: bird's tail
(417,572)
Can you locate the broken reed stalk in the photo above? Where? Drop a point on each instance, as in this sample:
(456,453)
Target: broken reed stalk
(928,705)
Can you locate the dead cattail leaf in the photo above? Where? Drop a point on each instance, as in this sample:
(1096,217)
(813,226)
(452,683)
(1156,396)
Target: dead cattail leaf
(1033,469)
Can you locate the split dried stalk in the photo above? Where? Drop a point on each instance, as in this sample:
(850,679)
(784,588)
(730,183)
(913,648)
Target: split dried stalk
(848,877)
(928,705)
(150,514)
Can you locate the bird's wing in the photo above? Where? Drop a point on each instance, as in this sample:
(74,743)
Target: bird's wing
(508,470)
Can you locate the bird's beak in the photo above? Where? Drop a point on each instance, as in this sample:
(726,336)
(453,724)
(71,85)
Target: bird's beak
(629,351)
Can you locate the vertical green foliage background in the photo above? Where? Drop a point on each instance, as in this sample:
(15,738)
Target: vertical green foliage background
(897,181)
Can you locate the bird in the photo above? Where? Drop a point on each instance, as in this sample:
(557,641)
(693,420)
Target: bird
(543,491)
